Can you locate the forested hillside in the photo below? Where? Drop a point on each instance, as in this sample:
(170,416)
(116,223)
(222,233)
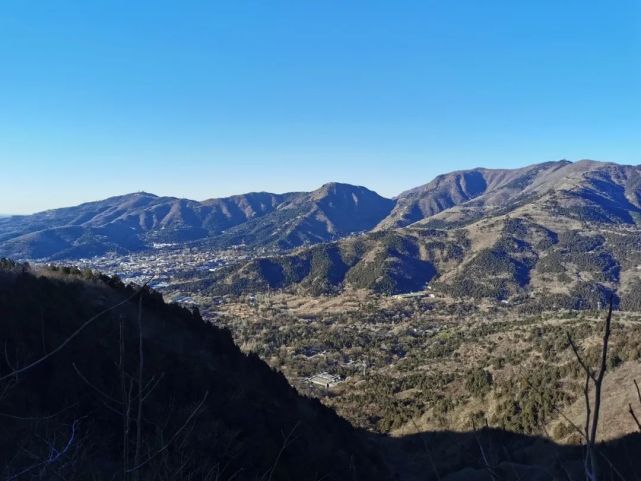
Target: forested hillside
(104,381)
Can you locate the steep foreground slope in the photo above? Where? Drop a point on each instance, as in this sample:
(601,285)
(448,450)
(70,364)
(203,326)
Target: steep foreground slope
(207,411)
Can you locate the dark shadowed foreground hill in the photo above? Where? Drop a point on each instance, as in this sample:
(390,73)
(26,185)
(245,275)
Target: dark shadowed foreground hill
(200,409)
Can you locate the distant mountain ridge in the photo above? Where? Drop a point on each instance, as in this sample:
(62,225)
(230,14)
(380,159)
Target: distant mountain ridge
(584,190)
(135,221)
(331,212)
(559,234)
(471,194)
(490,186)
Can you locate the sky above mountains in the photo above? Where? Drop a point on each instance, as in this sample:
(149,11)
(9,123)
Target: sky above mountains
(207,99)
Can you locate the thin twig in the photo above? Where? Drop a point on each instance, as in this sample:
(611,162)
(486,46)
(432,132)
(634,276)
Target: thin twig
(586,369)
(427,451)
(37,418)
(599,380)
(575,426)
(592,415)
(485,460)
(286,443)
(94,387)
(636,420)
(54,454)
(630,410)
(176,434)
(61,346)
(140,392)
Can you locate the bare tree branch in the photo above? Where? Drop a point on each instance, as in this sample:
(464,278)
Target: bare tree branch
(631,411)
(94,387)
(176,434)
(598,383)
(582,363)
(428,452)
(54,456)
(574,425)
(124,402)
(592,414)
(141,400)
(488,467)
(61,346)
(636,420)
(286,442)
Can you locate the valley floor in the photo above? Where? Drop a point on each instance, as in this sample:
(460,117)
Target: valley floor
(408,364)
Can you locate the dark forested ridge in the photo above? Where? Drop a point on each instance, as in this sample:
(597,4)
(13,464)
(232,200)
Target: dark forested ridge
(199,409)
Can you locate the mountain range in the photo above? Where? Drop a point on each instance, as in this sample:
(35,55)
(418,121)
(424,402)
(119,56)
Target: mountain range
(557,234)
(136,221)
(568,230)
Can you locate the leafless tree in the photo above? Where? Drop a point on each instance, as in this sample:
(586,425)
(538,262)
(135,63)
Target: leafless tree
(138,447)
(134,391)
(19,370)
(288,439)
(52,454)
(593,404)
(631,410)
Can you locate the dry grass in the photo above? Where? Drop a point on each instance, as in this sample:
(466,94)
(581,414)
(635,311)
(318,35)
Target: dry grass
(618,392)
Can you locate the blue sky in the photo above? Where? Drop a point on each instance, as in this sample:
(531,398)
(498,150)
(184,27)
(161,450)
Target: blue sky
(206,99)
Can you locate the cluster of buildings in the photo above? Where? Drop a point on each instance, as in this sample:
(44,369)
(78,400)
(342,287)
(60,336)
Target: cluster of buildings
(162,264)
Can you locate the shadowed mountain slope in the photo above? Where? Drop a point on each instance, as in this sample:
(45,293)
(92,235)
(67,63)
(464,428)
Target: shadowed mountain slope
(494,454)
(196,404)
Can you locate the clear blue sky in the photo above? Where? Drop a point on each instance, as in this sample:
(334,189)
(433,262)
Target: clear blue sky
(212,98)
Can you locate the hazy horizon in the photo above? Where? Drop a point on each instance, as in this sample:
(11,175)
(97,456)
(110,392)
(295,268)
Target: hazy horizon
(209,100)
(314,187)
